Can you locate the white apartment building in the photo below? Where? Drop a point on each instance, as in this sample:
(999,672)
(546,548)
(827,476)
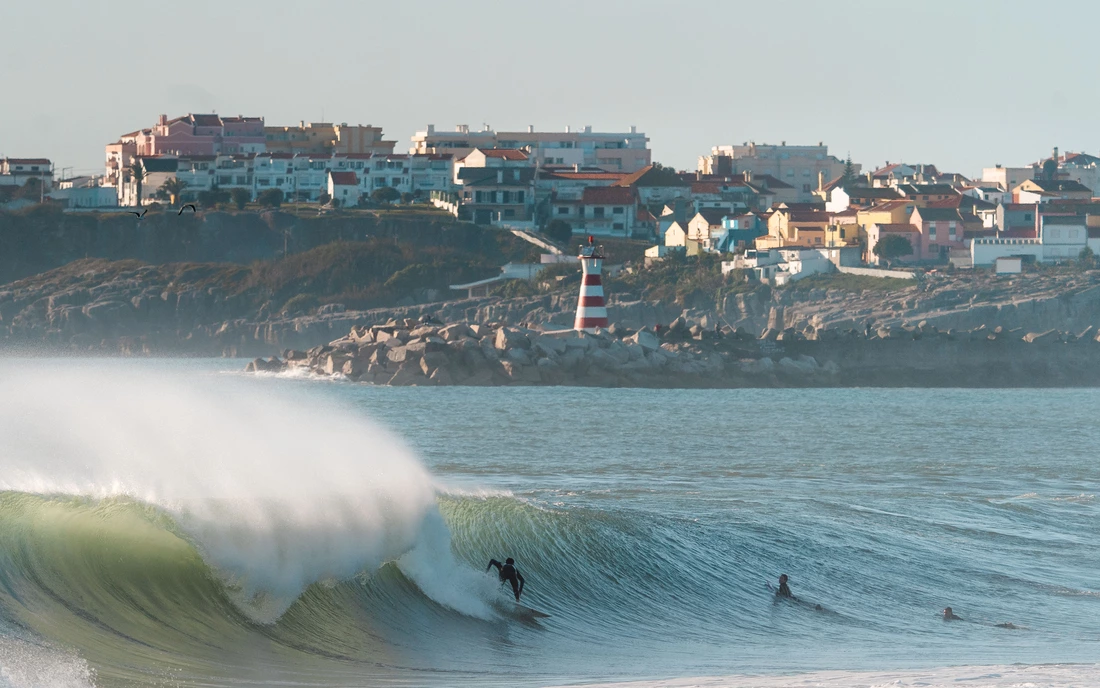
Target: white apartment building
(302,176)
(612,151)
(799,166)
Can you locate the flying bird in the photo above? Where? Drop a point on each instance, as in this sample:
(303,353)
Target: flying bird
(140,215)
(189,205)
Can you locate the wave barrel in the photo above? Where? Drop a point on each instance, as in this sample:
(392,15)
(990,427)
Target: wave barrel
(591,309)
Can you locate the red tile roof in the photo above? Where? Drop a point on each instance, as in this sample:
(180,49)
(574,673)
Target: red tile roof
(344,178)
(27,161)
(608,195)
(896,227)
(502,153)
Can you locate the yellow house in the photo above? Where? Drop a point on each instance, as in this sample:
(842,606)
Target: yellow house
(677,236)
(705,225)
(889,213)
(790,227)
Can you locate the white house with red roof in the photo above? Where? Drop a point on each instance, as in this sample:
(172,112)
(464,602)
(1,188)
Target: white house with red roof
(608,211)
(18,171)
(343,188)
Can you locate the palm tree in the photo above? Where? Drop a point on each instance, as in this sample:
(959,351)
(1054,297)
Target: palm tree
(137,173)
(173,186)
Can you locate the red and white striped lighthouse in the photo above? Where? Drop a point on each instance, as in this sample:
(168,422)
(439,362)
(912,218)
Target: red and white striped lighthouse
(591,309)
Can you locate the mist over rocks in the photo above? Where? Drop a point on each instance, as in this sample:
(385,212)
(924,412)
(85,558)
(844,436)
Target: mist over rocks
(1036,329)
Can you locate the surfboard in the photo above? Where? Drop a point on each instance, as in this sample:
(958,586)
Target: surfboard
(532,613)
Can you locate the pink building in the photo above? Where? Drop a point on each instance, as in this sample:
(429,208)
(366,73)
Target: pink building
(190,135)
(876,232)
(941,229)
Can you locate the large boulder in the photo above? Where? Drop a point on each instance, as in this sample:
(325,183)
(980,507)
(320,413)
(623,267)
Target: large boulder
(645,339)
(456,332)
(509,338)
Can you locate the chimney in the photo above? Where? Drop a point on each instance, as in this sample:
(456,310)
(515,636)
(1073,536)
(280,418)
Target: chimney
(1056,154)
(633,129)
(530,128)
(747,174)
(567,129)
(698,175)
(162,120)
(782,143)
(486,127)
(821,180)
(576,167)
(588,128)
(431,128)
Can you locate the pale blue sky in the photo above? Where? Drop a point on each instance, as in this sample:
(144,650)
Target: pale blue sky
(959,84)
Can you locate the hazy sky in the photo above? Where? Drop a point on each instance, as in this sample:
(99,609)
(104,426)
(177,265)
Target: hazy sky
(959,84)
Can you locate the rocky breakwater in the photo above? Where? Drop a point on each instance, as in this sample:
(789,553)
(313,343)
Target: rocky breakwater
(416,352)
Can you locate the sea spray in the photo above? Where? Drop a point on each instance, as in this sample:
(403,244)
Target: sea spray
(275,493)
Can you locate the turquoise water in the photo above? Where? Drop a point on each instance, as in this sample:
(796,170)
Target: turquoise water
(646,523)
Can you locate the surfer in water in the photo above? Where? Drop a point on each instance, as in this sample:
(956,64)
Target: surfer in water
(784,589)
(509,573)
(949,615)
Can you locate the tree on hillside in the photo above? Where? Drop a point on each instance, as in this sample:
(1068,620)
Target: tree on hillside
(137,174)
(407,198)
(173,186)
(1086,259)
(559,231)
(848,177)
(240,197)
(387,194)
(271,198)
(891,247)
(324,198)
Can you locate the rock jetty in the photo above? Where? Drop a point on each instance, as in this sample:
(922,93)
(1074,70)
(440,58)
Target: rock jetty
(698,354)
(420,352)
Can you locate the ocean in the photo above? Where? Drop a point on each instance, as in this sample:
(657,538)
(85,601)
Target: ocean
(179,523)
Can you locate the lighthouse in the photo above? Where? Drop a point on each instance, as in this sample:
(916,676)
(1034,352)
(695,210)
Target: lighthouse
(591,309)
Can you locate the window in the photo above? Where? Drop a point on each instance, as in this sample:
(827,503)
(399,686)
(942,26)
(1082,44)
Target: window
(951,230)
(617,211)
(790,173)
(1027,217)
(263,181)
(597,212)
(932,231)
(805,173)
(395,182)
(225,179)
(479,197)
(805,188)
(509,213)
(563,210)
(617,225)
(519,197)
(841,232)
(242,180)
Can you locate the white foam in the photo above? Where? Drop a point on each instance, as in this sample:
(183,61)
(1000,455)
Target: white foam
(277,492)
(27,664)
(1006,676)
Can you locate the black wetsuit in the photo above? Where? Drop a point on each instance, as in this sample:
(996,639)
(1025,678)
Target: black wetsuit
(508,572)
(784,590)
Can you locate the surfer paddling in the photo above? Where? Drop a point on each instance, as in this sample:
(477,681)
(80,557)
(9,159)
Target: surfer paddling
(509,573)
(784,589)
(949,615)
